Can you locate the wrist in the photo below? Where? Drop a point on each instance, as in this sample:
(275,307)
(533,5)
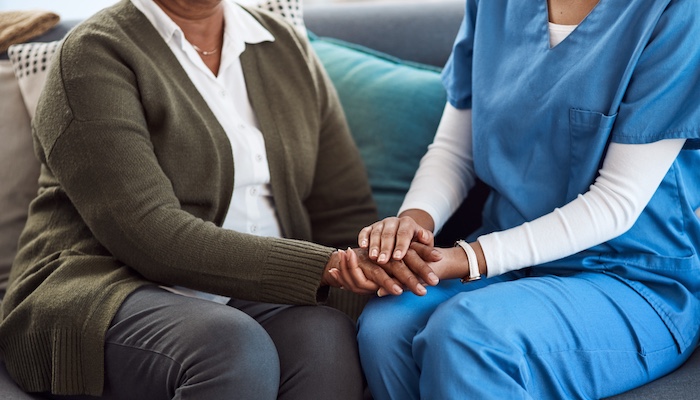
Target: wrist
(475,266)
(454,264)
(333,262)
(421,217)
(472,262)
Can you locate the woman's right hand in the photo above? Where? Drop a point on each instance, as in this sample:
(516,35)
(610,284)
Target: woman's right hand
(391,237)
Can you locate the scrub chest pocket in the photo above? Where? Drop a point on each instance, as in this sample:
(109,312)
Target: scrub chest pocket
(589,133)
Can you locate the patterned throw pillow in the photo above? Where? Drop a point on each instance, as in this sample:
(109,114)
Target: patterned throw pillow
(30,62)
(291,10)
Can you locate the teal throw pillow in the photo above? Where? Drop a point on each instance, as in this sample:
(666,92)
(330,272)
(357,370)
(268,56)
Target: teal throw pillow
(393,108)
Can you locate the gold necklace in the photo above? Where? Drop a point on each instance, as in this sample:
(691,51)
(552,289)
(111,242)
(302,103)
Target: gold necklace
(204,53)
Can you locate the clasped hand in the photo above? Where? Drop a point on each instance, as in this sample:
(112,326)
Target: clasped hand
(369,269)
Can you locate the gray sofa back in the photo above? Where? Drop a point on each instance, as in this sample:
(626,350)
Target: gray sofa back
(404,30)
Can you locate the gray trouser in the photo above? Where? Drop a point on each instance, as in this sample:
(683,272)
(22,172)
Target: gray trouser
(166,346)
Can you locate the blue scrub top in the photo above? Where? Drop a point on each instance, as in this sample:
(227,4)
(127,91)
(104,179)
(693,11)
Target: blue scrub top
(543,117)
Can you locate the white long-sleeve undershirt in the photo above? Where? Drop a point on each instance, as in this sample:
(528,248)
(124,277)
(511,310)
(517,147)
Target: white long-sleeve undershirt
(627,180)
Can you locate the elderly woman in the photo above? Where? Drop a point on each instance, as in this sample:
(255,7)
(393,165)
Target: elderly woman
(194,153)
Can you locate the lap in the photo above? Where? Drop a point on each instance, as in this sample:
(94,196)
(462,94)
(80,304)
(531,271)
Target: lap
(315,344)
(548,304)
(408,313)
(576,333)
(551,306)
(162,345)
(577,329)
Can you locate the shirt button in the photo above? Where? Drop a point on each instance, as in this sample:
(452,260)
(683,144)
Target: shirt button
(253,191)
(253,228)
(222,93)
(241,127)
(258,157)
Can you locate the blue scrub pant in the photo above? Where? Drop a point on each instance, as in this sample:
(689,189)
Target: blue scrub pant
(586,335)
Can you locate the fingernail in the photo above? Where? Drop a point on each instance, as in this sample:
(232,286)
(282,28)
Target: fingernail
(397,289)
(397,254)
(364,243)
(437,254)
(433,278)
(382,257)
(373,253)
(421,289)
(380,293)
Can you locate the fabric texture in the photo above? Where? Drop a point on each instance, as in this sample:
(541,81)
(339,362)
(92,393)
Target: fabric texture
(406,29)
(555,141)
(19,169)
(564,338)
(378,92)
(251,208)
(19,26)
(21,80)
(290,10)
(254,351)
(30,62)
(162,218)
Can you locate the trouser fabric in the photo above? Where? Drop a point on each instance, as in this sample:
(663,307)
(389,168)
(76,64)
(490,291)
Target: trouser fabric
(162,345)
(517,336)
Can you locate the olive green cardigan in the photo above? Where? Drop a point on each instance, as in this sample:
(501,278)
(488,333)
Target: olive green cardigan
(137,177)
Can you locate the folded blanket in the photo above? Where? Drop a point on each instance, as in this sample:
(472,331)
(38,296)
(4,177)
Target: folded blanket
(20,26)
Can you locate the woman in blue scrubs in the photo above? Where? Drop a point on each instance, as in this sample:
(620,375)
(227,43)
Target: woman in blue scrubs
(584,279)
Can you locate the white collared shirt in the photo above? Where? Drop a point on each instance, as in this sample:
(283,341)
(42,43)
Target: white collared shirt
(252,207)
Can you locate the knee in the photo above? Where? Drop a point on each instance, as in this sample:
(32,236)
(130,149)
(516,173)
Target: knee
(380,325)
(318,354)
(473,326)
(322,334)
(234,348)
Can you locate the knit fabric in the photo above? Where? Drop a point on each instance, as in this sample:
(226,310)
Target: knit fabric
(136,179)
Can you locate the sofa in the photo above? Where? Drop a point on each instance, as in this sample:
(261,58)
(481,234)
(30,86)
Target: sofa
(384,59)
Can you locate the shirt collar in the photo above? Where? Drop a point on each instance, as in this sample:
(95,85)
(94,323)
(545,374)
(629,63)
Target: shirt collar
(240,28)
